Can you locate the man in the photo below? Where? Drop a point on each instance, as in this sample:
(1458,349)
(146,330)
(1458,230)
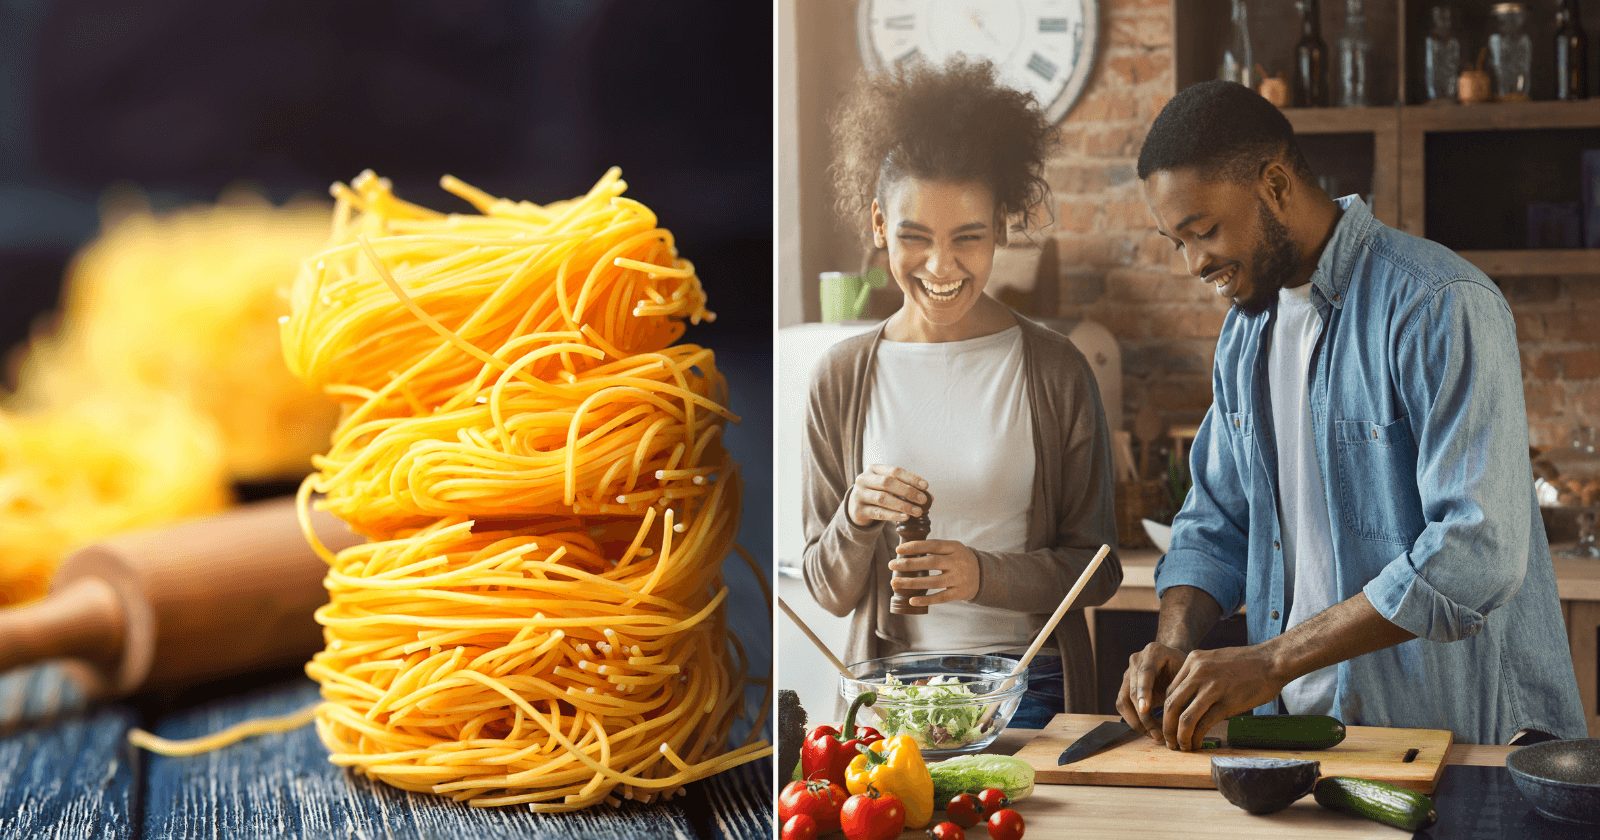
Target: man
(1361,481)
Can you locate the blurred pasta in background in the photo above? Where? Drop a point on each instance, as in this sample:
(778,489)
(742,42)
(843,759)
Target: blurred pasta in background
(160,383)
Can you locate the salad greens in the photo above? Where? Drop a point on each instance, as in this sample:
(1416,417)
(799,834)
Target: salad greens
(941,713)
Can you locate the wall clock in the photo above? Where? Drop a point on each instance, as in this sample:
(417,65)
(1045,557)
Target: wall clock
(1044,47)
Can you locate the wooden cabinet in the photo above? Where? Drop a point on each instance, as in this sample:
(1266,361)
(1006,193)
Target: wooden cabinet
(1462,175)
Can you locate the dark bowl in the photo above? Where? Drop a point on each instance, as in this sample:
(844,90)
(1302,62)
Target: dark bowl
(1560,778)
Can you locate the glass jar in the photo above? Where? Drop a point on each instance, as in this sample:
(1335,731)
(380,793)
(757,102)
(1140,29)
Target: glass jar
(1441,57)
(1510,52)
(1238,60)
(1355,57)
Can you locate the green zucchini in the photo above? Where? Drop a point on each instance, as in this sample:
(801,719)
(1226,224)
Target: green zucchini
(1284,732)
(1380,801)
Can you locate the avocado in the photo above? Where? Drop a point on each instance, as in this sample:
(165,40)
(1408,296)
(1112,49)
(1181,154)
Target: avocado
(1263,785)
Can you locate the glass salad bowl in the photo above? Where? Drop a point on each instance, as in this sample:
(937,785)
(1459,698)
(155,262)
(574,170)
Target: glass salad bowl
(950,704)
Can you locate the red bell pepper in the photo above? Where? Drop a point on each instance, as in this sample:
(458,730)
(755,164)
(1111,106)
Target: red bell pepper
(827,751)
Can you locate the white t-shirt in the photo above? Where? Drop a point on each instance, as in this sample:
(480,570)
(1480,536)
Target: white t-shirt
(956,413)
(1307,535)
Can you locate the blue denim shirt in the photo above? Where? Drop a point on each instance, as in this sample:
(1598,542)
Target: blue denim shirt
(1417,416)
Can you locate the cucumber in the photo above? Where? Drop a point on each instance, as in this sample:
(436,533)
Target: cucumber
(1380,801)
(1284,732)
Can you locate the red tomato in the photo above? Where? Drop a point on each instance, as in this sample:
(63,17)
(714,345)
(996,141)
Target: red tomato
(799,827)
(947,831)
(993,799)
(1005,824)
(818,799)
(872,816)
(964,809)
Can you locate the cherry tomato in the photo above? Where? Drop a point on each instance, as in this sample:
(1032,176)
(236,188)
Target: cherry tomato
(947,831)
(993,799)
(799,827)
(964,810)
(1005,824)
(872,816)
(818,799)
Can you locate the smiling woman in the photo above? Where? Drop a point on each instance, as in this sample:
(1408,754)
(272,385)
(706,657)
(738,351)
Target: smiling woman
(954,395)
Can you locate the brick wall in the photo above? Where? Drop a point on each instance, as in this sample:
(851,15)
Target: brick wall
(1558,331)
(1118,271)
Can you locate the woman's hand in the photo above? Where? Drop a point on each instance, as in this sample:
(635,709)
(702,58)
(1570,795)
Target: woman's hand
(957,565)
(885,494)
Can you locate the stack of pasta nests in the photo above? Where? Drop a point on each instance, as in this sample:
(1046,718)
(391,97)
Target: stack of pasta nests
(537,616)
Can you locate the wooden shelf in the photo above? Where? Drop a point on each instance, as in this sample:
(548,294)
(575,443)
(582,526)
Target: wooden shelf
(1535,263)
(1341,120)
(1502,116)
(1489,116)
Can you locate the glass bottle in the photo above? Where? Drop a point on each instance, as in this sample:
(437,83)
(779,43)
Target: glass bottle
(1510,52)
(1310,58)
(1355,57)
(1238,60)
(1441,57)
(1572,55)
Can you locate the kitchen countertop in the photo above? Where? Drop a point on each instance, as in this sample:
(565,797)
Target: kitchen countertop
(1082,811)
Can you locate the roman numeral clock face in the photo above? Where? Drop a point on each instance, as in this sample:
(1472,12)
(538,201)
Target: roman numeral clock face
(1043,47)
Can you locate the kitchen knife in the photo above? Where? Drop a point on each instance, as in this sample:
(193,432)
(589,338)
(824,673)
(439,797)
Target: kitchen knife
(1108,734)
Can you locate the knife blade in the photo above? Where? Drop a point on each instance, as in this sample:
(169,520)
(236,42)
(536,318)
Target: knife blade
(1106,735)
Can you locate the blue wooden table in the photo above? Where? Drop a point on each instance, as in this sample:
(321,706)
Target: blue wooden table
(67,771)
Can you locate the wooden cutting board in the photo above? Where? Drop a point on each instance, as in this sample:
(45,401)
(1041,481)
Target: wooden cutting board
(1370,752)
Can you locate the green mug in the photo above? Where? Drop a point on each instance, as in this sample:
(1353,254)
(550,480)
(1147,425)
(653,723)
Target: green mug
(844,296)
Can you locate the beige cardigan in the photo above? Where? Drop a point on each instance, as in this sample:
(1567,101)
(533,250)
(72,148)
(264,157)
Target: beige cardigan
(846,567)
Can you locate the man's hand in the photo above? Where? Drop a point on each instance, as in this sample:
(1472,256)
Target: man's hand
(1214,685)
(957,566)
(1187,614)
(1144,685)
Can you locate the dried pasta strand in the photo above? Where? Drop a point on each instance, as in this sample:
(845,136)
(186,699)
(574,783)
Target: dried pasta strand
(232,735)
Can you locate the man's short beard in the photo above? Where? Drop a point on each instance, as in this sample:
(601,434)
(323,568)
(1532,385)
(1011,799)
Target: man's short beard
(1275,259)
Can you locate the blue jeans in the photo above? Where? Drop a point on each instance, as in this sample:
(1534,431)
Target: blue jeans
(1046,696)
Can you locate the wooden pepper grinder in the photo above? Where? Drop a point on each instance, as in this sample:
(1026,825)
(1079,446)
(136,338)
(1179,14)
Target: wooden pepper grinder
(911,530)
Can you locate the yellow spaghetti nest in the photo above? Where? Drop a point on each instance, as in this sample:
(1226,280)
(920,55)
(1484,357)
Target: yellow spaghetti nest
(97,467)
(186,304)
(538,615)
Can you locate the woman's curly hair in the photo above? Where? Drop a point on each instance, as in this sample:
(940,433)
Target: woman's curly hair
(954,123)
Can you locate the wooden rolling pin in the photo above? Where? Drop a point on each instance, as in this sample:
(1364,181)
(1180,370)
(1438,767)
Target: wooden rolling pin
(181,605)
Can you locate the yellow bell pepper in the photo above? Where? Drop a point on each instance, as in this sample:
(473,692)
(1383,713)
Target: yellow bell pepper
(895,765)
